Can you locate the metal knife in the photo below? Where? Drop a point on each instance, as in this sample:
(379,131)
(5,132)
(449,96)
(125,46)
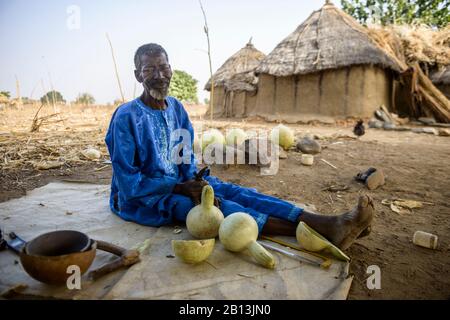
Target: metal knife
(292,255)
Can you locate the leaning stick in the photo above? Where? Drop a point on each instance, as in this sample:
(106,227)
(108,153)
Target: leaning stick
(115,68)
(34,88)
(206,29)
(45,92)
(34,124)
(125,258)
(19,97)
(329,163)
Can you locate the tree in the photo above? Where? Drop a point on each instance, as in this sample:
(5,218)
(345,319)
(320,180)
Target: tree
(6,94)
(183,87)
(52,97)
(118,102)
(4,97)
(434,13)
(26,100)
(85,99)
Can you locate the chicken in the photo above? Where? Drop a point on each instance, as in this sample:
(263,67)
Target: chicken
(359,129)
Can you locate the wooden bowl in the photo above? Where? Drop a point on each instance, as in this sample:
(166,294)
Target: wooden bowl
(47,257)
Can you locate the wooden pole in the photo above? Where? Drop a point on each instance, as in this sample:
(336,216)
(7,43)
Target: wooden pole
(45,91)
(206,29)
(32,91)
(18,96)
(52,88)
(115,68)
(53,93)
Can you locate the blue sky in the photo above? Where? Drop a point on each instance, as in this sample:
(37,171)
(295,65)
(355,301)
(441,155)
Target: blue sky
(40,38)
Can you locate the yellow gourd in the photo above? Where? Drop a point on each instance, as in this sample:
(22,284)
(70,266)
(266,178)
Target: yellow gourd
(238,232)
(203,220)
(193,251)
(283,136)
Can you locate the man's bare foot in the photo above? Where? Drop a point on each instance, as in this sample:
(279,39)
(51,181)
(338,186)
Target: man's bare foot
(353,224)
(342,230)
(365,232)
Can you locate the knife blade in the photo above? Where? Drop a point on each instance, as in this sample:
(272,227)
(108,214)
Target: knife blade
(290,254)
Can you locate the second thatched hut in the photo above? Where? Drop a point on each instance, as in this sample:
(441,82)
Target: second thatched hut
(328,67)
(235,83)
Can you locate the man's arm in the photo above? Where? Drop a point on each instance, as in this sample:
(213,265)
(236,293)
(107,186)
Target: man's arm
(132,183)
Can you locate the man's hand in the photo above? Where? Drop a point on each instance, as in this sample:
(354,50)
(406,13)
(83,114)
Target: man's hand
(217,202)
(192,189)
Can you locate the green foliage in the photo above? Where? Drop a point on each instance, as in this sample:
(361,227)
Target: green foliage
(52,97)
(183,87)
(6,94)
(26,100)
(85,99)
(434,13)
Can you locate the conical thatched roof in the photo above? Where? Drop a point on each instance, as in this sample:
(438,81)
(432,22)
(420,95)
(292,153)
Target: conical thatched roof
(328,39)
(237,72)
(442,76)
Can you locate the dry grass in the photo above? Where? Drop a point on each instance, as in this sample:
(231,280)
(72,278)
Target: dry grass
(63,134)
(411,44)
(60,141)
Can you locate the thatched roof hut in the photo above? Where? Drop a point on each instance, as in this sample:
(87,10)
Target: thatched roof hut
(410,43)
(328,67)
(235,83)
(419,50)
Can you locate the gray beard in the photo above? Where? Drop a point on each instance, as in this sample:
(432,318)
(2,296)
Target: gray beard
(158,95)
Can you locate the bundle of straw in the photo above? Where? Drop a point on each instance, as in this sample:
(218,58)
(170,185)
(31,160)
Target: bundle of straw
(411,44)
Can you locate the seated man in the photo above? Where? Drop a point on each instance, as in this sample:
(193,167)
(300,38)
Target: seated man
(150,189)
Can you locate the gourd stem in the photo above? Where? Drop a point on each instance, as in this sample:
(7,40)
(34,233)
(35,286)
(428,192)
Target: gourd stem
(261,255)
(207,197)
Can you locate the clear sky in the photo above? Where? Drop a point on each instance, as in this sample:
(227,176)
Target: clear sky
(43,37)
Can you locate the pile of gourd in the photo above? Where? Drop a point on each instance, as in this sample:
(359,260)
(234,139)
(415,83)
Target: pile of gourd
(238,231)
(280,135)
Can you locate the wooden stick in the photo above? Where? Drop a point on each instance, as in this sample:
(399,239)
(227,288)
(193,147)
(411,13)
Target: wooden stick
(101,168)
(115,69)
(45,91)
(34,126)
(211,96)
(442,104)
(19,97)
(425,97)
(32,91)
(439,112)
(126,259)
(328,163)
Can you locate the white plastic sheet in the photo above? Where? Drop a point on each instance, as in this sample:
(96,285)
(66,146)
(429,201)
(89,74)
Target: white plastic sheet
(224,275)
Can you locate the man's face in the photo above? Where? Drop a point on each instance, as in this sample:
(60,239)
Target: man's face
(154,74)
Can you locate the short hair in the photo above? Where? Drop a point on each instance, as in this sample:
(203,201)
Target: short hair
(148,49)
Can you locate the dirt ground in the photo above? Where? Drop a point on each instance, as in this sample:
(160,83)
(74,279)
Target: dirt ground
(417,168)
